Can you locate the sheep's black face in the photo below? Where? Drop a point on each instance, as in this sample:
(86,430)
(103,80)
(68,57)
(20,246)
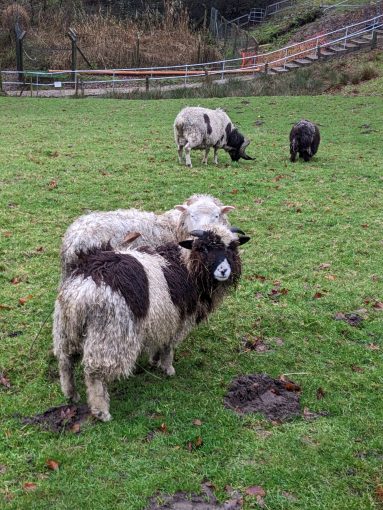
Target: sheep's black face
(236,145)
(210,253)
(234,154)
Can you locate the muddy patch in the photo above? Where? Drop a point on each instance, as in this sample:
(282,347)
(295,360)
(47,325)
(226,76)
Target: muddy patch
(276,399)
(183,501)
(62,418)
(353,319)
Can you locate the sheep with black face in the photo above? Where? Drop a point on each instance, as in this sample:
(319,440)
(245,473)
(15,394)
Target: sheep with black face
(117,304)
(304,139)
(201,128)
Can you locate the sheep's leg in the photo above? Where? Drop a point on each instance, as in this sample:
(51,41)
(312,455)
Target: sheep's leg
(68,387)
(305,155)
(98,397)
(166,360)
(187,155)
(180,153)
(293,156)
(204,159)
(216,155)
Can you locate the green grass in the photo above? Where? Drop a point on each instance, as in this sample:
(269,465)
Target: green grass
(60,158)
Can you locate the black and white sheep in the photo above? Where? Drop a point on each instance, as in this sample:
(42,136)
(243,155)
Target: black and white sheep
(117,304)
(304,139)
(96,229)
(201,128)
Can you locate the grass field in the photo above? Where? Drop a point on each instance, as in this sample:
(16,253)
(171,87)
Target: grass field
(316,231)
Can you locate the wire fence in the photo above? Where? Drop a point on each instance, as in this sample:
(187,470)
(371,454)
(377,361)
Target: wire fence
(252,65)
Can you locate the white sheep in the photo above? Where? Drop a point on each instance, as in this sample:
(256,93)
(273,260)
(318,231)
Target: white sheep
(201,128)
(117,228)
(117,304)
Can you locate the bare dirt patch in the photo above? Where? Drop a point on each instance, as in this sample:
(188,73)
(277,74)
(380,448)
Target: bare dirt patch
(62,418)
(184,501)
(276,399)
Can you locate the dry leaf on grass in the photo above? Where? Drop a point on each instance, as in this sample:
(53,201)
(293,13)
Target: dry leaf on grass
(52,464)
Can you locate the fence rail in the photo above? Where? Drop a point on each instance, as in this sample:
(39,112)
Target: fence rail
(248,65)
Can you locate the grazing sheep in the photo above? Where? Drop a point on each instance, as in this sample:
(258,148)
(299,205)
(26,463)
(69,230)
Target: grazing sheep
(304,138)
(96,229)
(117,304)
(201,128)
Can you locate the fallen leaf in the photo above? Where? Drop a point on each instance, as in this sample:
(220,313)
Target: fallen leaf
(331,277)
(40,249)
(130,237)
(4,380)
(23,300)
(16,280)
(52,184)
(379,493)
(255,490)
(355,368)
(320,393)
(52,464)
(163,428)
(324,265)
(5,307)
(198,442)
(364,225)
(197,423)
(7,234)
(195,443)
(373,347)
(378,305)
(29,486)
(234,191)
(318,295)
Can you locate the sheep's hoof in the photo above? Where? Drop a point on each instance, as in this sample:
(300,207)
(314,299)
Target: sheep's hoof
(170,371)
(102,415)
(189,165)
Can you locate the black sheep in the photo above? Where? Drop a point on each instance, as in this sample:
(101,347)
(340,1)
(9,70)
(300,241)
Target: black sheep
(304,138)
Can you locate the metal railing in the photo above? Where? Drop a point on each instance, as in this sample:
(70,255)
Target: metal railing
(251,65)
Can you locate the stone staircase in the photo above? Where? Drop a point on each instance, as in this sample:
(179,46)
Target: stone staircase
(325,52)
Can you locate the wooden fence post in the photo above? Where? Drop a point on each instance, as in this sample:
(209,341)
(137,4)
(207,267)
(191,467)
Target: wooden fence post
(374,40)
(72,34)
(20,34)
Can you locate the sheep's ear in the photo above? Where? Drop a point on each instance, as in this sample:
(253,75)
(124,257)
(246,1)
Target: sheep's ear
(181,208)
(186,244)
(243,239)
(227,208)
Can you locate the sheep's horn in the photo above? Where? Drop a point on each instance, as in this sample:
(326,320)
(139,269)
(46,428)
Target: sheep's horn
(242,151)
(197,233)
(236,230)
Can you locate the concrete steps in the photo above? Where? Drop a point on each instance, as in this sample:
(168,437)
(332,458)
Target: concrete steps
(352,44)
